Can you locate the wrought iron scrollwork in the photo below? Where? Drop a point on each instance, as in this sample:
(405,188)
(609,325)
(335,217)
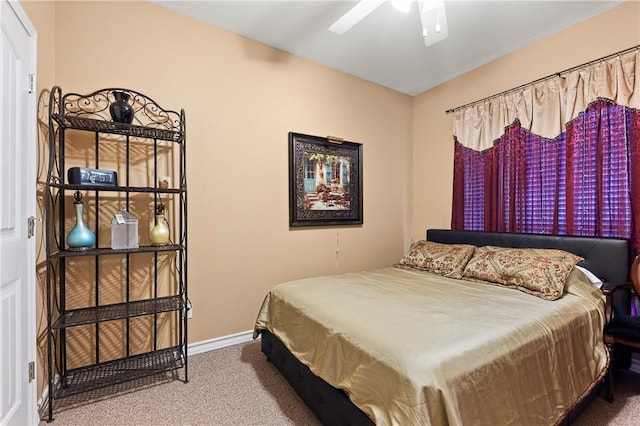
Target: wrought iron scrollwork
(91,112)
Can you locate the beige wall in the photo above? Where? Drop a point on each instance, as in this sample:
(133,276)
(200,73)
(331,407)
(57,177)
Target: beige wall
(242,98)
(432,152)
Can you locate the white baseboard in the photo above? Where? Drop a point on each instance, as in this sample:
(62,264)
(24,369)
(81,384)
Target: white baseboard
(220,342)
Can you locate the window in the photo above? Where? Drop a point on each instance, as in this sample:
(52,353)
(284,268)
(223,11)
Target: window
(580,183)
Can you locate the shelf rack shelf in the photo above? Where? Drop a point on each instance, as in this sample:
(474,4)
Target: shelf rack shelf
(107,188)
(163,132)
(92,315)
(85,379)
(81,123)
(108,251)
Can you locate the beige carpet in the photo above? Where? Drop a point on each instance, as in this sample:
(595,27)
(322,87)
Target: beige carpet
(237,386)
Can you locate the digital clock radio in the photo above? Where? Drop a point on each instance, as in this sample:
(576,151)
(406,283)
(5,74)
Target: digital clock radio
(86,176)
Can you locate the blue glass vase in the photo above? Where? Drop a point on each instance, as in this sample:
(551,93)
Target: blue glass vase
(80,237)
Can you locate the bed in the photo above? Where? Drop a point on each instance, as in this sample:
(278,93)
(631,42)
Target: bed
(402,345)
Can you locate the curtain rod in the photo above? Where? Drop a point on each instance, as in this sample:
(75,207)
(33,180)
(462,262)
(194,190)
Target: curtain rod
(557,74)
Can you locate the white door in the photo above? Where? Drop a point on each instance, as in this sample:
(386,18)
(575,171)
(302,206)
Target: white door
(17,203)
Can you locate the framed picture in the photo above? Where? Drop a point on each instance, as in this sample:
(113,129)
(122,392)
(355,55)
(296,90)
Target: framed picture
(325,181)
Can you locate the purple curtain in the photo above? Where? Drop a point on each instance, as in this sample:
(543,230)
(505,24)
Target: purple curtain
(586,181)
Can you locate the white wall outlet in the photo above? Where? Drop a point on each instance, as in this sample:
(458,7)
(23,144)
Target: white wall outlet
(189,310)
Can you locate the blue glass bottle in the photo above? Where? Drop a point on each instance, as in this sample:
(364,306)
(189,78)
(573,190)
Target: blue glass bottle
(80,237)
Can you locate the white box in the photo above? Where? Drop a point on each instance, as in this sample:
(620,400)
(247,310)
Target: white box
(124,231)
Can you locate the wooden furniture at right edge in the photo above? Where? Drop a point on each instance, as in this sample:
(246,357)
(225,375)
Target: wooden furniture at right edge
(622,329)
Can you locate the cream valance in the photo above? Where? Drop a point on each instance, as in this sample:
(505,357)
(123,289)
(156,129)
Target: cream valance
(546,107)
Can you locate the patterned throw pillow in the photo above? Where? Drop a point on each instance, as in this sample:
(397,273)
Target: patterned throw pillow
(541,272)
(447,260)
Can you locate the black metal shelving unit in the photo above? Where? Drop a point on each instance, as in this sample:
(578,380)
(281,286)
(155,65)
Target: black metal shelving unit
(156,132)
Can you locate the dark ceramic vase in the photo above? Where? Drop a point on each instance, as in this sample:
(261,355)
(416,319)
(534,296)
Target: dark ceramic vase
(121,111)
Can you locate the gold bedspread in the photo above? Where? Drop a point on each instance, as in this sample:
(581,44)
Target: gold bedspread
(412,348)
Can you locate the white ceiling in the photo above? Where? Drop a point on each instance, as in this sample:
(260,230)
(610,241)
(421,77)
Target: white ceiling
(387,47)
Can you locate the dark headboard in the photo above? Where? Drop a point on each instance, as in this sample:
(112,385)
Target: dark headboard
(607,258)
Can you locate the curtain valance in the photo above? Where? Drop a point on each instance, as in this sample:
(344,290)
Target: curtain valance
(546,107)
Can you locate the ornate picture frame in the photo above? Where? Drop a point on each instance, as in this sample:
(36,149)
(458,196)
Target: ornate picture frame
(325,181)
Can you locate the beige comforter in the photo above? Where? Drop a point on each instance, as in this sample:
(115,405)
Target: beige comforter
(412,348)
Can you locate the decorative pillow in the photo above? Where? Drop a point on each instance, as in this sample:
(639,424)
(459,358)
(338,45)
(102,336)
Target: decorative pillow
(541,272)
(447,260)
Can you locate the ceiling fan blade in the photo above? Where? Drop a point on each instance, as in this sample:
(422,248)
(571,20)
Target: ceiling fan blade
(434,21)
(355,15)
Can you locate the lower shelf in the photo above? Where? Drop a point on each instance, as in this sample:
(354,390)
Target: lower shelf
(83,316)
(112,372)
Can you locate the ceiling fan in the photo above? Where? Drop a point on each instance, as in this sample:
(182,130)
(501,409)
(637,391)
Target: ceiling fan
(432,17)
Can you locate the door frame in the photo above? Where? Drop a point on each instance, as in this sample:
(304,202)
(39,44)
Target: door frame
(29,187)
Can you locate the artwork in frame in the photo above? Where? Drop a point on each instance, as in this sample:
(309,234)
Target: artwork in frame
(325,181)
